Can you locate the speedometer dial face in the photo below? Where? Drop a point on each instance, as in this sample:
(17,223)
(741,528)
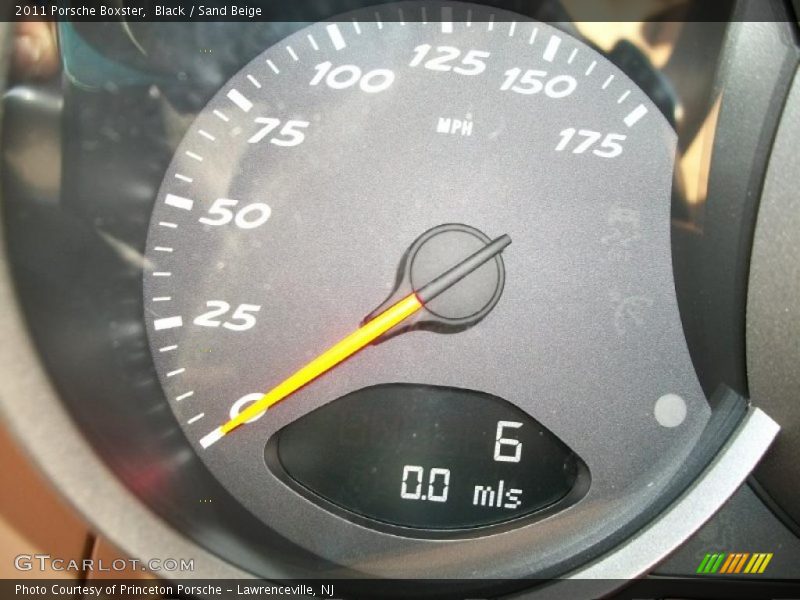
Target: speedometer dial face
(309,215)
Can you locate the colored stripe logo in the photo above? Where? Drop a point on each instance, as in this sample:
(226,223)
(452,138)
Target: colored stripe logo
(732,563)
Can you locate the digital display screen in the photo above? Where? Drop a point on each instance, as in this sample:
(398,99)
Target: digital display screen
(427,457)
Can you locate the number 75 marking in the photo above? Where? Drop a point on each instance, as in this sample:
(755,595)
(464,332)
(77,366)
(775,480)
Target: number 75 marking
(289,135)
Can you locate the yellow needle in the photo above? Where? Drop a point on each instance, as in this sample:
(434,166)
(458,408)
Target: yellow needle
(346,347)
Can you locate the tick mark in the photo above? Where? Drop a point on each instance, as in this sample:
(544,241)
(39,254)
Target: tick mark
(336,36)
(447,19)
(167,323)
(212,437)
(572,56)
(239,100)
(636,114)
(551,48)
(179,202)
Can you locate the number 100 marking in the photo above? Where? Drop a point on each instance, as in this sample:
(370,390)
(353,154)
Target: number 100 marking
(420,476)
(345,76)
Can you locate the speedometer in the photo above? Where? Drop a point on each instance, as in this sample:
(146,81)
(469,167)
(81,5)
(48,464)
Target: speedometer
(409,281)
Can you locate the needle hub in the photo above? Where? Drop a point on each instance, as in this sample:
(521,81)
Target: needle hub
(457,272)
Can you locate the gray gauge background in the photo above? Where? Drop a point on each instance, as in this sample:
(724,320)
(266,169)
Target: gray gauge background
(586,337)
